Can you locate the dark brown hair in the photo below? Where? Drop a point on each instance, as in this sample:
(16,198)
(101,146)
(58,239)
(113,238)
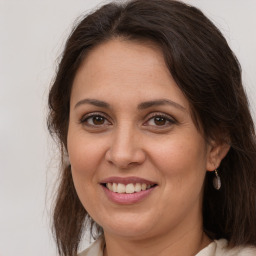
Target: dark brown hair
(209,75)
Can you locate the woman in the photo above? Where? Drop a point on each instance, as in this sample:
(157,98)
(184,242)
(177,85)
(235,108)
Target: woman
(149,107)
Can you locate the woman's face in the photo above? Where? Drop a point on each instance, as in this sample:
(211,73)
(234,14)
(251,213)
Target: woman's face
(138,161)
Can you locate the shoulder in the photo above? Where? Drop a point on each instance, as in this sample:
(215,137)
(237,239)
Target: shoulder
(220,248)
(236,251)
(95,249)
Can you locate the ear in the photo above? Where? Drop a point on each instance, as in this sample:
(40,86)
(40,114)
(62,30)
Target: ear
(216,152)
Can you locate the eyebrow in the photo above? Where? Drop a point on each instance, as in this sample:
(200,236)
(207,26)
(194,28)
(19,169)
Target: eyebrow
(160,102)
(141,106)
(97,103)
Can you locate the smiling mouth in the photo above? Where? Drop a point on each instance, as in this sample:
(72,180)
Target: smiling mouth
(130,188)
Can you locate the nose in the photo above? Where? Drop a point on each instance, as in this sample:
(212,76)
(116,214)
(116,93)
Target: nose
(125,149)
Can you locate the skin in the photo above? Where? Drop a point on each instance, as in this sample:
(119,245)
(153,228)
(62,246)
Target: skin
(127,140)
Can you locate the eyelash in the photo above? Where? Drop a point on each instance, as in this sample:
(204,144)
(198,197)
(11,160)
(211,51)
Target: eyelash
(166,118)
(85,118)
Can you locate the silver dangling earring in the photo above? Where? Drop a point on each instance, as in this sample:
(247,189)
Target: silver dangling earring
(216,180)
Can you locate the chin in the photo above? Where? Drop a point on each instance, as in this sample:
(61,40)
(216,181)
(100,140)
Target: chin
(127,226)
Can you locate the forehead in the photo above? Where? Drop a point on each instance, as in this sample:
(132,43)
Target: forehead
(121,56)
(135,69)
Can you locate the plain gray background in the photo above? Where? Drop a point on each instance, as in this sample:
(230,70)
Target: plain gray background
(32,35)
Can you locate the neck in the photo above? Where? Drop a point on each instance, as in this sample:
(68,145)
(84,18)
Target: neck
(187,243)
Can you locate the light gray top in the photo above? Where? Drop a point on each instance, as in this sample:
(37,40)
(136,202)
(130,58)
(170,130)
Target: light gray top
(216,248)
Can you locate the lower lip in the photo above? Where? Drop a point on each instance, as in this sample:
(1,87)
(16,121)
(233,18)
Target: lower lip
(127,198)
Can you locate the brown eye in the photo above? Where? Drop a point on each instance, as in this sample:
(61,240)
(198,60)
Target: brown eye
(158,120)
(94,120)
(98,120)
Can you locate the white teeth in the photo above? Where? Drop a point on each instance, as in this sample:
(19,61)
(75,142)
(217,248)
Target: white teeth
(128,189)
(114,187)
(110,186)
(137,187)
(120,188)
(144,186)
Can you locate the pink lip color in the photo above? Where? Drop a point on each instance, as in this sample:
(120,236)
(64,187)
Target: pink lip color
(127,198)
(127,180)
(124,198)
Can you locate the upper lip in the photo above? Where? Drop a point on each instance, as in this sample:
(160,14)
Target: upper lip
(127,180)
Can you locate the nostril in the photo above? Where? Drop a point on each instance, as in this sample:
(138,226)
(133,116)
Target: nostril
(125,150)
(124,159)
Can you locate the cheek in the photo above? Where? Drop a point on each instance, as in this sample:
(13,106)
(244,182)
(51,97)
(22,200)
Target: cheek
(182,167)
(85,157)
(182,163)
(85,154)
(179,153)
